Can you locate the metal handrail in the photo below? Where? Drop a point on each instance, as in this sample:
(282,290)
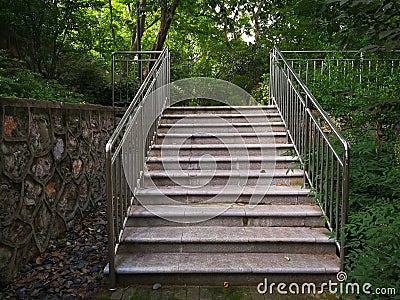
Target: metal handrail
(322,150)
(354,66)
(127,147)
(127,73)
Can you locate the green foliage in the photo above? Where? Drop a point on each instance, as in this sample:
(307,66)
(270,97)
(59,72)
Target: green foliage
(373,175)
(88,76)
(22,83)
(370,24)
(261,93)
(374,245)
(368,112)
(364,103)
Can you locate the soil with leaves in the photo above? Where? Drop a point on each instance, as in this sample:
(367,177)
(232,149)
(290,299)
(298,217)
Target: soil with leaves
(72,266)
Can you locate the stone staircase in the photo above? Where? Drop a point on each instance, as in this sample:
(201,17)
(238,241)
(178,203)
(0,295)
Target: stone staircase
(236,210)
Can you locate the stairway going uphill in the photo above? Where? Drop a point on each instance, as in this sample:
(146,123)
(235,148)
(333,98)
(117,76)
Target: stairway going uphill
(222,200)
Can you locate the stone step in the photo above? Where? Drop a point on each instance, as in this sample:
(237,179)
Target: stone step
(220,118)
(219,109)
(216,268)
(226,215)
(221,138)
(232,150)
(206,162)
(241,177)
(214,239)
(218,128)
(225,194)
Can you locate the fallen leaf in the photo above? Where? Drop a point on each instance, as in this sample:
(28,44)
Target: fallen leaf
(56,254)
(38,262)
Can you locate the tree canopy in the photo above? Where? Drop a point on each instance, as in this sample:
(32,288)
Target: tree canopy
(228,39)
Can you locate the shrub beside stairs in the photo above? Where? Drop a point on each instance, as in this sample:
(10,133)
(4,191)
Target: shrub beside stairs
(236,212)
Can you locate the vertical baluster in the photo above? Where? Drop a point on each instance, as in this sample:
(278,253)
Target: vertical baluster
(110,218)
(322,68)
(326,177)
(335,222)
(307,72)
(120,81)
(126,189)
(315,69)
(313,153)
(300,71)
(317,158)
(121,198)
(321,165)
(142,138)
(369,70)
(127,100)
(332,187)
(117,194)
(337,69)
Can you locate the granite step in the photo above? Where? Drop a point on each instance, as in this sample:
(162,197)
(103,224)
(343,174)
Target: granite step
(176,177)
(216,268)
(271,194)
(217,128)
(226,215)
(214,239)
(207,162)
(233,150)
(219,109)
(220,118)
(221,138)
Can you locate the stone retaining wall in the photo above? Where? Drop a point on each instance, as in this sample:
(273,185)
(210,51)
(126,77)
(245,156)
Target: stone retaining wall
(52,168)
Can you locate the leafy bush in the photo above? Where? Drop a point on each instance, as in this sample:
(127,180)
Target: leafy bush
(374,244)
(19,82)
(261,93)
(368,113)
(88,76)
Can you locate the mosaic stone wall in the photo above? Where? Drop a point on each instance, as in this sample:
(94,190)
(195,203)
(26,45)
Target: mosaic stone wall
(52,168)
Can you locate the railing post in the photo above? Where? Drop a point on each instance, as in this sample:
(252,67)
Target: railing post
(271,76)
(345,201)
(306,137)
(113,81)
(110,226)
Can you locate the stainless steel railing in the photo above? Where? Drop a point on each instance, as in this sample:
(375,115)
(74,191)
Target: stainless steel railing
(129,70)
(346,68)
(127,148)
(323,152)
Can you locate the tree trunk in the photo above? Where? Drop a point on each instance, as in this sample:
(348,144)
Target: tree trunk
(134,41)
(167,14)
(112,25)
